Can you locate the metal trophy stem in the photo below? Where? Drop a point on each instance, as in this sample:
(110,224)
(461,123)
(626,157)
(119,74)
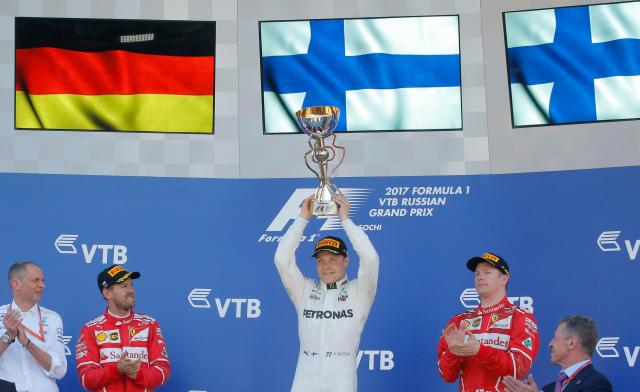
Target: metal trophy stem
(319,122)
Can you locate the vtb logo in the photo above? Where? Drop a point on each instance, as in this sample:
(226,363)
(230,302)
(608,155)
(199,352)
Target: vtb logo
(291,209)
(606,348)
(116,254)
(384,360)
(470,299)
(608,242)
(198,298)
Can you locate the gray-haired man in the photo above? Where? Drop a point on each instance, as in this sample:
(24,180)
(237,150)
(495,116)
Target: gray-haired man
(31,348)
(571,347)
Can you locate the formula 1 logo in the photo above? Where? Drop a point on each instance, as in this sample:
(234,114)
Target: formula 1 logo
(198,298)
(608,242)
(606,348)
(64,244)
(470,299)
(66,340)
(291,209)
(107,253)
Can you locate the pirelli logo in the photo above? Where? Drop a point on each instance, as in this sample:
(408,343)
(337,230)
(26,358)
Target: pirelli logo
(328,242)
(491,257)
(113,271)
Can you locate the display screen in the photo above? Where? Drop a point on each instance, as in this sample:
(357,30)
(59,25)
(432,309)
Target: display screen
(114,75)
(574,64)
(384,74)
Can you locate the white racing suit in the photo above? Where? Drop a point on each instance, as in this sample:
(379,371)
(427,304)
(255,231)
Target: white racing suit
(330,321)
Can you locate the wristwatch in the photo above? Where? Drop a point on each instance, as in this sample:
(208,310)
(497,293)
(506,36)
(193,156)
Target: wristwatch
(6,339)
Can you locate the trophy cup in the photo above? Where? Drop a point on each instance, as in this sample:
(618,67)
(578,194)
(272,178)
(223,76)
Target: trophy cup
(319,123)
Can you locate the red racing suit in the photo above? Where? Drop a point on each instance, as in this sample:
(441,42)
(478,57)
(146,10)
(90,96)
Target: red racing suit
(102,342)
(509,343)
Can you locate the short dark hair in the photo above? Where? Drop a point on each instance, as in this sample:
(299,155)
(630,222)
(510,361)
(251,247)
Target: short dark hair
(19,269)
(584,328)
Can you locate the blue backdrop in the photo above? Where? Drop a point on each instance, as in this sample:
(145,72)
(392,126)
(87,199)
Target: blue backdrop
(205,250)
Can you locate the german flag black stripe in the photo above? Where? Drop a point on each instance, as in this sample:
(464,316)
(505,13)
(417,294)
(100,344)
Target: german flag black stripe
(173,38)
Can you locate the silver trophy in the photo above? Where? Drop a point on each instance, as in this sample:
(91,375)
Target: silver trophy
(319,122)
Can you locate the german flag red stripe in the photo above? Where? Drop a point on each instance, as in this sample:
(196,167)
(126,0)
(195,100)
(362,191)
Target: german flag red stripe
(62,71)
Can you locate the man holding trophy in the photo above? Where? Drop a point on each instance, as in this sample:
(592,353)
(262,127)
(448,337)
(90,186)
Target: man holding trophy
(331,311)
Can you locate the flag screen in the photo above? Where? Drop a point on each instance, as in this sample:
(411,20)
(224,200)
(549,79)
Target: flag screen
(574,64)
(114,75)
(384,74)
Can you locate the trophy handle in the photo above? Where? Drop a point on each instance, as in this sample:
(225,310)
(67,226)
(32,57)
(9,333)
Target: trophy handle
(306,161)
(342,151)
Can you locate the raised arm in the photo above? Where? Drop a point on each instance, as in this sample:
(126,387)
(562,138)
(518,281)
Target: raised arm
(285,257)
(90,372)
(55,349)
(369,259)
(449,364)
(159,368)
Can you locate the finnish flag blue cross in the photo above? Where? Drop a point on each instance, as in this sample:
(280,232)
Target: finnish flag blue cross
(574,64)
(383,74)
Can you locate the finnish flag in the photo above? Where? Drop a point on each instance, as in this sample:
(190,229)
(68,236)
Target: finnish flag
(574,64)
(383,74)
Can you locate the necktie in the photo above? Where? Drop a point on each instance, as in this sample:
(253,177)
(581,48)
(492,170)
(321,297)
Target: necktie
(562,377)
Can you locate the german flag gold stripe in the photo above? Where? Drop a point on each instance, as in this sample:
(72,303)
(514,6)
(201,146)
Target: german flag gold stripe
(137,112)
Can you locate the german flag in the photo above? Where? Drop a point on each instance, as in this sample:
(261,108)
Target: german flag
(115,75)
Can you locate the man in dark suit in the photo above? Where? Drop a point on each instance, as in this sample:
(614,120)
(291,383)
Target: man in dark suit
(6,386)
(571,347)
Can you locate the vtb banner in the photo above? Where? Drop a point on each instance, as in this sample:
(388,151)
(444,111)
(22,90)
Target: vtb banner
(205,250)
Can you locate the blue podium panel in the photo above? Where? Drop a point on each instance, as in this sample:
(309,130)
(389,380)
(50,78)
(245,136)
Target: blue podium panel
(205,250)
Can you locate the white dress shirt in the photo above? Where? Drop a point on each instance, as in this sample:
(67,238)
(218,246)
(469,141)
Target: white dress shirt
(573,368)
(17,365)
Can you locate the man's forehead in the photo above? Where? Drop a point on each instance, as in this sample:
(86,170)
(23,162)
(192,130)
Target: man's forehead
(128,282)
(561,330)
(324,254)
(485,266)
(33,270)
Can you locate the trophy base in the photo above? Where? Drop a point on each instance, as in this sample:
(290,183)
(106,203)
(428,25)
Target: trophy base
(324,208)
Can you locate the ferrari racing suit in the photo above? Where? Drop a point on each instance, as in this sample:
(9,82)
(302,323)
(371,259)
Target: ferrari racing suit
(101,344)
(509,343)
(330,317)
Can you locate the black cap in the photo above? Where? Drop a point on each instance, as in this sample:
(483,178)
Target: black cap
(490,258)
(331,244)
(114,275)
